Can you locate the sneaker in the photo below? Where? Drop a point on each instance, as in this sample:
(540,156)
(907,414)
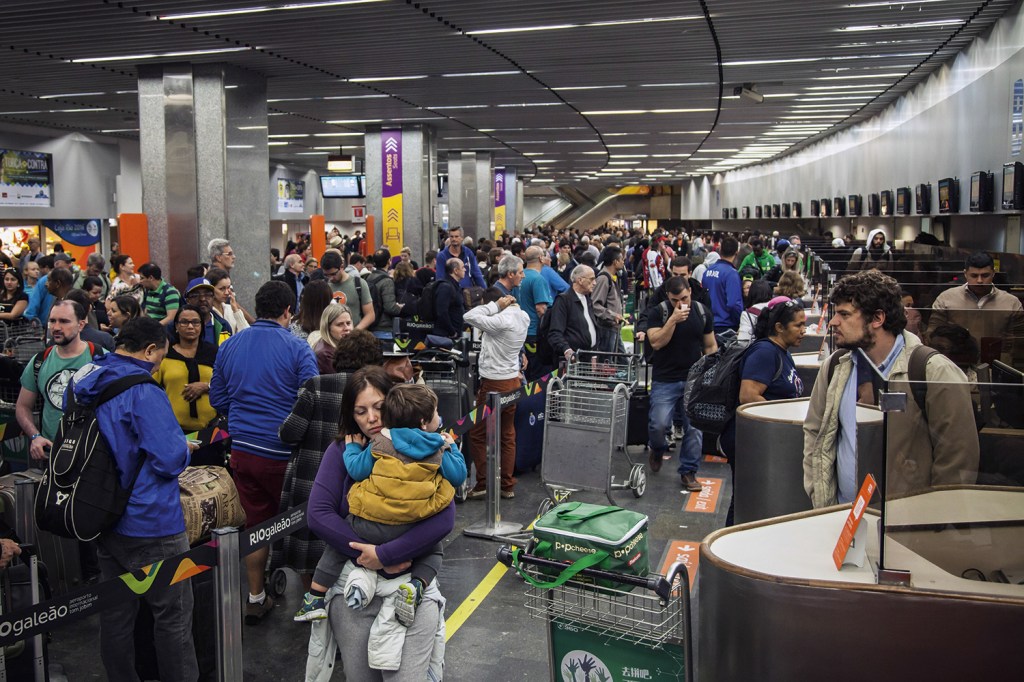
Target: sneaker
(654,460)
(407,598)
(508,494)
(254,613)
(312,609)
(476,494)
(677,433)
(691,483)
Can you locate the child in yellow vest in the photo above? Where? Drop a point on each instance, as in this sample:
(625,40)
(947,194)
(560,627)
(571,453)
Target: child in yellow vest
(405,474)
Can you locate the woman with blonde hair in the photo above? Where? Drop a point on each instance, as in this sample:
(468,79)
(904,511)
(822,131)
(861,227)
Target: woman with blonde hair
(791,285)
(335,324)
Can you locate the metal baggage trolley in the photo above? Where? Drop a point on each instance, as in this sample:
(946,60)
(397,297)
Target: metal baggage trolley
(585,425)
(638,632)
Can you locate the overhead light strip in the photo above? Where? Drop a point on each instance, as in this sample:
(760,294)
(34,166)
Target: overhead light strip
(160,55)
(260,9)
(593,24)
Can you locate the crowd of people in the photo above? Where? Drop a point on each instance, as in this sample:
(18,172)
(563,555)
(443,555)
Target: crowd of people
(321,410)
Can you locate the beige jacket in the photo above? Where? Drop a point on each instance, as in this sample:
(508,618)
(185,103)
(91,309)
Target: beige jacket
(920,453)
(997,315)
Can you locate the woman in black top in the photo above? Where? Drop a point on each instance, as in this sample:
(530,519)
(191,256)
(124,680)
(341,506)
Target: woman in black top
(13,299)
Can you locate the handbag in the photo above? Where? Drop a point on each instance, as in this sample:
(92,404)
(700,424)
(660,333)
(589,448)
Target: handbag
(589,536)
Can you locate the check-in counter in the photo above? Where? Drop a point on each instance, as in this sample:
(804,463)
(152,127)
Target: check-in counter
(811,343)
(771,591)
(807,366)
(769,456)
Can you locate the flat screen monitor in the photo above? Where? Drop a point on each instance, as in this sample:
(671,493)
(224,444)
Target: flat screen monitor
(825,208)
(873,204)
(785,210)
(758,212)
(1013,186)
(815,208)
(767,210)
(885,202)
(923,195)
(903,201)
(839,207)
(342,186)
(949,195)
(442,185)
(798,209)
(981,191)
(732,213)
(776,211)
(853,203)
(725,214)
(745,212)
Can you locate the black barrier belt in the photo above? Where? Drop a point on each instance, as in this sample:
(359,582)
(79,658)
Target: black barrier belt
(86,601)
(268,532)
(477,415)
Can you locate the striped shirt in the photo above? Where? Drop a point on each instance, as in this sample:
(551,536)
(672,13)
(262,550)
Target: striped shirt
(160,301)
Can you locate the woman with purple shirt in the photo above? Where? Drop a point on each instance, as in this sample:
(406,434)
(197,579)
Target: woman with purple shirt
(328,515)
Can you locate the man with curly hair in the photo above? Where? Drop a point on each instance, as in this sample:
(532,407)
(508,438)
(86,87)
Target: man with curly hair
(934,446)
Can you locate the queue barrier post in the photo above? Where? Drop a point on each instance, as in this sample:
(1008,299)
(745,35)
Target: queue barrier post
(492,527)
(228,584)
(25,527)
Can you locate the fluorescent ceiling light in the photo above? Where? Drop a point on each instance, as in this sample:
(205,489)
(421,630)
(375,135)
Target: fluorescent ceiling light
(859,98)
(674,85)
(378,79)
(310,153)
(120,130)
(627,144)
(802,117)
(287,134)
(459,106)
(858,77)
(479,73)
(594,24)
(291,99)
(890,3)
(356,120)
(615,112)
(337,134)
(277,144)
(545,161)
(161,55)
(261,9)
(588,87)
(126,92)
(935,23)
(253,128)
(531,104)
(352,97)
(238,146)
(72,94)
(877,87)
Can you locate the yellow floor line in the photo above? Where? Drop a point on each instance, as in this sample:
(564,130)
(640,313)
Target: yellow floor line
(475,598)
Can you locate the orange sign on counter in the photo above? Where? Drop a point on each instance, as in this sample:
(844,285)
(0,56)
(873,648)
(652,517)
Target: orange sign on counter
(853,523)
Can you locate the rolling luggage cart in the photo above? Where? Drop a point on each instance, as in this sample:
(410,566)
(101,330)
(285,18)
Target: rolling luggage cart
(585,424)
(637,632)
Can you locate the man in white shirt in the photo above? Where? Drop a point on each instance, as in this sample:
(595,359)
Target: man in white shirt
(504,325)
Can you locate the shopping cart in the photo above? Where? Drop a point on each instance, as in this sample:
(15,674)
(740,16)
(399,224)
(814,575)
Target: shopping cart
(638,632)
(585,425)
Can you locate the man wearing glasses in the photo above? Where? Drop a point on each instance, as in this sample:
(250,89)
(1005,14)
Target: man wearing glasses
(221,254)
(199,293)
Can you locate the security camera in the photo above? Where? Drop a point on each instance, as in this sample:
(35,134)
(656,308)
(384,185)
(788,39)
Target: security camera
(748,91)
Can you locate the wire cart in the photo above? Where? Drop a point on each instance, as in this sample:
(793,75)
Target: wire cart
(637,633)
(585,425)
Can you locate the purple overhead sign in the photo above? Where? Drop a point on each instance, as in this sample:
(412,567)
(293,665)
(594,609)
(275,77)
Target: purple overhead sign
(391,194)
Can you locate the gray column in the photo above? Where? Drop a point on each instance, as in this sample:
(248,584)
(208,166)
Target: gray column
(513,202)
(418,155)
(520,193)
(203,135)
(471,193)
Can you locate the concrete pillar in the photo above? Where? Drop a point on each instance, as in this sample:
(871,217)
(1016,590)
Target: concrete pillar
(401,187)
(471,193)
(203,138)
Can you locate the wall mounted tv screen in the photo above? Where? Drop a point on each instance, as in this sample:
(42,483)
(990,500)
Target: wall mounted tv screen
(342,186)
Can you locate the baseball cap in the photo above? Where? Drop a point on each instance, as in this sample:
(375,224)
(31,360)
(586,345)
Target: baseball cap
(61,256)
(197,284)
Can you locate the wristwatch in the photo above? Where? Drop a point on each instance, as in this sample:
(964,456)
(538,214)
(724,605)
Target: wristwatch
(38,435)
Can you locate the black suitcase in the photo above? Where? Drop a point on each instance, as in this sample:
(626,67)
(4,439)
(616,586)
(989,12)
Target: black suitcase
(638,412)
(20,661)
(60,555)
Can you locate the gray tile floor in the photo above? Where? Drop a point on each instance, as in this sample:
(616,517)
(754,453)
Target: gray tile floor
(499,641)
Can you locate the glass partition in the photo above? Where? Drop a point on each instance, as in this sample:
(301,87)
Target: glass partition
(952,481)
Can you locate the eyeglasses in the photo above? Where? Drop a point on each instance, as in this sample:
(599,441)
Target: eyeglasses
(190,323)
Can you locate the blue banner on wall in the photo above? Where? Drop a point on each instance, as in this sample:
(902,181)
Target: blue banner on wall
(77,232)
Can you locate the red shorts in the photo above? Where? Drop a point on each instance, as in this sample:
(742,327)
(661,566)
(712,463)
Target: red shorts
(259,481)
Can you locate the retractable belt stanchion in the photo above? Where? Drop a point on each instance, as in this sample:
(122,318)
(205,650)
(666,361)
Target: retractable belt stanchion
(228,582)
(25,527)
(492,526)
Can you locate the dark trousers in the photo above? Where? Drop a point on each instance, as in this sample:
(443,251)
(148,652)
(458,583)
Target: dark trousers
(478,434)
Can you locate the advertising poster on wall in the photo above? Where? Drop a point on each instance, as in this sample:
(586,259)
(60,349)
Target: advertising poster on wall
(290,196)
(77,232)
(26,178)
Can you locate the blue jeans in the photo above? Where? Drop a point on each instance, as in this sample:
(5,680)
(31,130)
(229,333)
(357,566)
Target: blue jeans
(171,606)
(665,397)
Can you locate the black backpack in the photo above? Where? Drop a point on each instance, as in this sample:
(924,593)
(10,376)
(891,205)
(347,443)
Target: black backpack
(713,387)
(426,308)
(80,495)
(545,353)
(375,297)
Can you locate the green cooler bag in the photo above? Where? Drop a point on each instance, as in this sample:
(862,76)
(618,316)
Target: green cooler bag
(590,536)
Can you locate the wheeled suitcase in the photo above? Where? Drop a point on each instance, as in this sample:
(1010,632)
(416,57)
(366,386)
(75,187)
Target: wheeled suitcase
(60,555)
(638,411)
(530,432)
(23,584)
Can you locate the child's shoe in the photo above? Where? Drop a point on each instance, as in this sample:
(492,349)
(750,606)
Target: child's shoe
(313,608)
(407,598)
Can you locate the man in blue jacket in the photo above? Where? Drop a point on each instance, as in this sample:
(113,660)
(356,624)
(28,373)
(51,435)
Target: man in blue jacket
(256,379)
(143,434)
(472,276)
(722,282)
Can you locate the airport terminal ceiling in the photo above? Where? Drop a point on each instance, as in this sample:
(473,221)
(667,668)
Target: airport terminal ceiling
(568,91)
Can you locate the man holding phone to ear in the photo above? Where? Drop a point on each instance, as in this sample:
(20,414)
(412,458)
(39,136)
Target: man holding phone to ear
(680,331)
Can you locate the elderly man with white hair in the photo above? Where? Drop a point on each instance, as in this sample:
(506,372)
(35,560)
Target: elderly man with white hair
(221,254)
(573,325)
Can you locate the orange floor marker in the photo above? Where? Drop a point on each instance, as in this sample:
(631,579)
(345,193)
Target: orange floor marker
(706,501)
(685,551)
